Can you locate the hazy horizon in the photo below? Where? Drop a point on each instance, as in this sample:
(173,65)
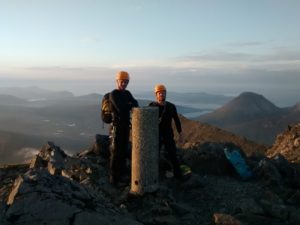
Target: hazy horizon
(280,96)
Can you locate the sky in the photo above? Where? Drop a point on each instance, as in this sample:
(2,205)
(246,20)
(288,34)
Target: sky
(214,46)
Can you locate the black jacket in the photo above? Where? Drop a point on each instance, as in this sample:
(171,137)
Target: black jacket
(167,112)
(122,103)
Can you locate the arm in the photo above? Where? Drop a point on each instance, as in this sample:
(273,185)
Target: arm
(176,119)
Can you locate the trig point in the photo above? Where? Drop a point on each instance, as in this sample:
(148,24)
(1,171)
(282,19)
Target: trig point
(144,171)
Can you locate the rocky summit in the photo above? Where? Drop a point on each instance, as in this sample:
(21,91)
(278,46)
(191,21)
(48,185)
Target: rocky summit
(288,144)
(59,189)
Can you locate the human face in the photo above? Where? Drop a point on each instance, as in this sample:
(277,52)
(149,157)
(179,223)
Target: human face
(122,84)
(161,96)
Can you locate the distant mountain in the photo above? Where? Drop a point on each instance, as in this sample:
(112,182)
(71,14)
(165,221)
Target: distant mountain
(93,97)
(11,100)
(253,116)
(34,93)
(192,99)
(250,104)
(247,106)
(202,97)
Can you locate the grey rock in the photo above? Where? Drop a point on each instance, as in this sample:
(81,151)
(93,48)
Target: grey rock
(250,206)
(3,220)
(207,158)
(193,182)
(40,198)
(37,162)
(51,152)
(268,172)
(294,218)
(251,219)
(295,199)
(275,210)
(90,218)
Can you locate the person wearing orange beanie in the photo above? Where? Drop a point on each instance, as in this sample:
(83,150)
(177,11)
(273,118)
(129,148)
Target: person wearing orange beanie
(167,113)
(122,103)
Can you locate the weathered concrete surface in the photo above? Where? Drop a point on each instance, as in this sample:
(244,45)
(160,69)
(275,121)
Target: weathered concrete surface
(144,173)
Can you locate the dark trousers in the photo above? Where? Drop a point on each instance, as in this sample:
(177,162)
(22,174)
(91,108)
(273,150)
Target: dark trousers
(170,148)
(119,143)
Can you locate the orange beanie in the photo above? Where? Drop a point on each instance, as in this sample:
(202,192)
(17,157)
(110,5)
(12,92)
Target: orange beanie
(159,87)
(122,75)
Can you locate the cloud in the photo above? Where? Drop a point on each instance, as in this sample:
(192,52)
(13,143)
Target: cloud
(276,59)
(218,55)
(54,68)
(283,53)
(248,43)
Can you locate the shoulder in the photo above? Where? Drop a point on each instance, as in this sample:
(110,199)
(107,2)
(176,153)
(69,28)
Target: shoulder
(170,105)
(153,104)
(106,95)
(128,93)
(113,92)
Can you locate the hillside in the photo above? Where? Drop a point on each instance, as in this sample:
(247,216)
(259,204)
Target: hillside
(19,147)
(253,116)
(196,133)
(70,121)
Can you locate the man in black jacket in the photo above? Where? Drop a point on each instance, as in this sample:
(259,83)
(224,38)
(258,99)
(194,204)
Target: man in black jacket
(122,102)
(167,113)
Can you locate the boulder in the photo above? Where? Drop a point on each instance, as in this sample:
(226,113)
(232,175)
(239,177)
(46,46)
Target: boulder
(41,198)
(207,158)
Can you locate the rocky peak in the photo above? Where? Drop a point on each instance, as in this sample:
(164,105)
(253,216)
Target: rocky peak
(296,108)
(287,144)
(250,103)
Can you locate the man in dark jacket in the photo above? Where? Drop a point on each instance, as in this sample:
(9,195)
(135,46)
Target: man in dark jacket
(167,113)
(122,102)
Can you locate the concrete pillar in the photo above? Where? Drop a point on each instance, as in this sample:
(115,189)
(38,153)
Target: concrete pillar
(144,171)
